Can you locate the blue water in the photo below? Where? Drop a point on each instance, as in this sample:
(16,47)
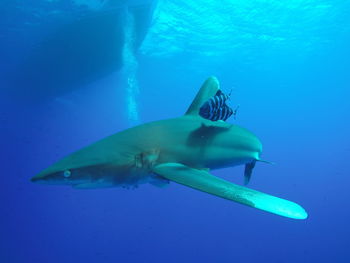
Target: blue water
(287,64)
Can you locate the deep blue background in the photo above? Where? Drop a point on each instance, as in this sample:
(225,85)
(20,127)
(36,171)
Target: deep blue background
(289,69)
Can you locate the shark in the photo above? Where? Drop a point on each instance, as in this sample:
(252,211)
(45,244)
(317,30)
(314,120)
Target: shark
(183,150)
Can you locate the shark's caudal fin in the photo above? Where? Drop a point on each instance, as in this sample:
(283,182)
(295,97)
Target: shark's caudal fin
(204,181)
(208,90)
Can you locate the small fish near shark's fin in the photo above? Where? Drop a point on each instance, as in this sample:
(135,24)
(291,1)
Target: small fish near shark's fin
(210,102)
(209,88)
(204,181)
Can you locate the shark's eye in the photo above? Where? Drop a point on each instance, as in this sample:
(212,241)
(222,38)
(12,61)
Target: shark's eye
(67,173)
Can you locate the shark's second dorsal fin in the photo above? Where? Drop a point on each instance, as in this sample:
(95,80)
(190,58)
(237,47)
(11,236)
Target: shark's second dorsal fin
(208,90)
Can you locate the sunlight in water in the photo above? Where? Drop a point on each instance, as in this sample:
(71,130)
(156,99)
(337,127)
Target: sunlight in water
(248,31)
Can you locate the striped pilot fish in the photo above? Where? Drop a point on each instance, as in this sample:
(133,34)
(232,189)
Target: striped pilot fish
(215,108)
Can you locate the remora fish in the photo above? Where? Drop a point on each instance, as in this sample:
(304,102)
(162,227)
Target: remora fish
(182,150)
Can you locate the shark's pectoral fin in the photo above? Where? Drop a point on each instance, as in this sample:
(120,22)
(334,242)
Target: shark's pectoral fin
(248,170)
(204,181)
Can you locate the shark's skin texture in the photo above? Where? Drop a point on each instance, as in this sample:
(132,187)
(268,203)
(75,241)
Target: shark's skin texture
(182,149)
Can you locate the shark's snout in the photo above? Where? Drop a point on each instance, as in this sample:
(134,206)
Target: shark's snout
(53,177)
(34,179)
(39,178)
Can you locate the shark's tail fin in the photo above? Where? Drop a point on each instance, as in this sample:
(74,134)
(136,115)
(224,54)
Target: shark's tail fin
(208,90)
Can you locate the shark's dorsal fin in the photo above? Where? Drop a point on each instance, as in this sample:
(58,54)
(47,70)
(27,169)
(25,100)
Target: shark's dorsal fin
(208,90)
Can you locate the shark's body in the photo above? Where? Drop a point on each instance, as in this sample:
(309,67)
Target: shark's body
(182,149)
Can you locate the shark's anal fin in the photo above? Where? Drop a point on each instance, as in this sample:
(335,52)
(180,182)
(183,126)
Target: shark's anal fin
(248,170)
(204,181)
